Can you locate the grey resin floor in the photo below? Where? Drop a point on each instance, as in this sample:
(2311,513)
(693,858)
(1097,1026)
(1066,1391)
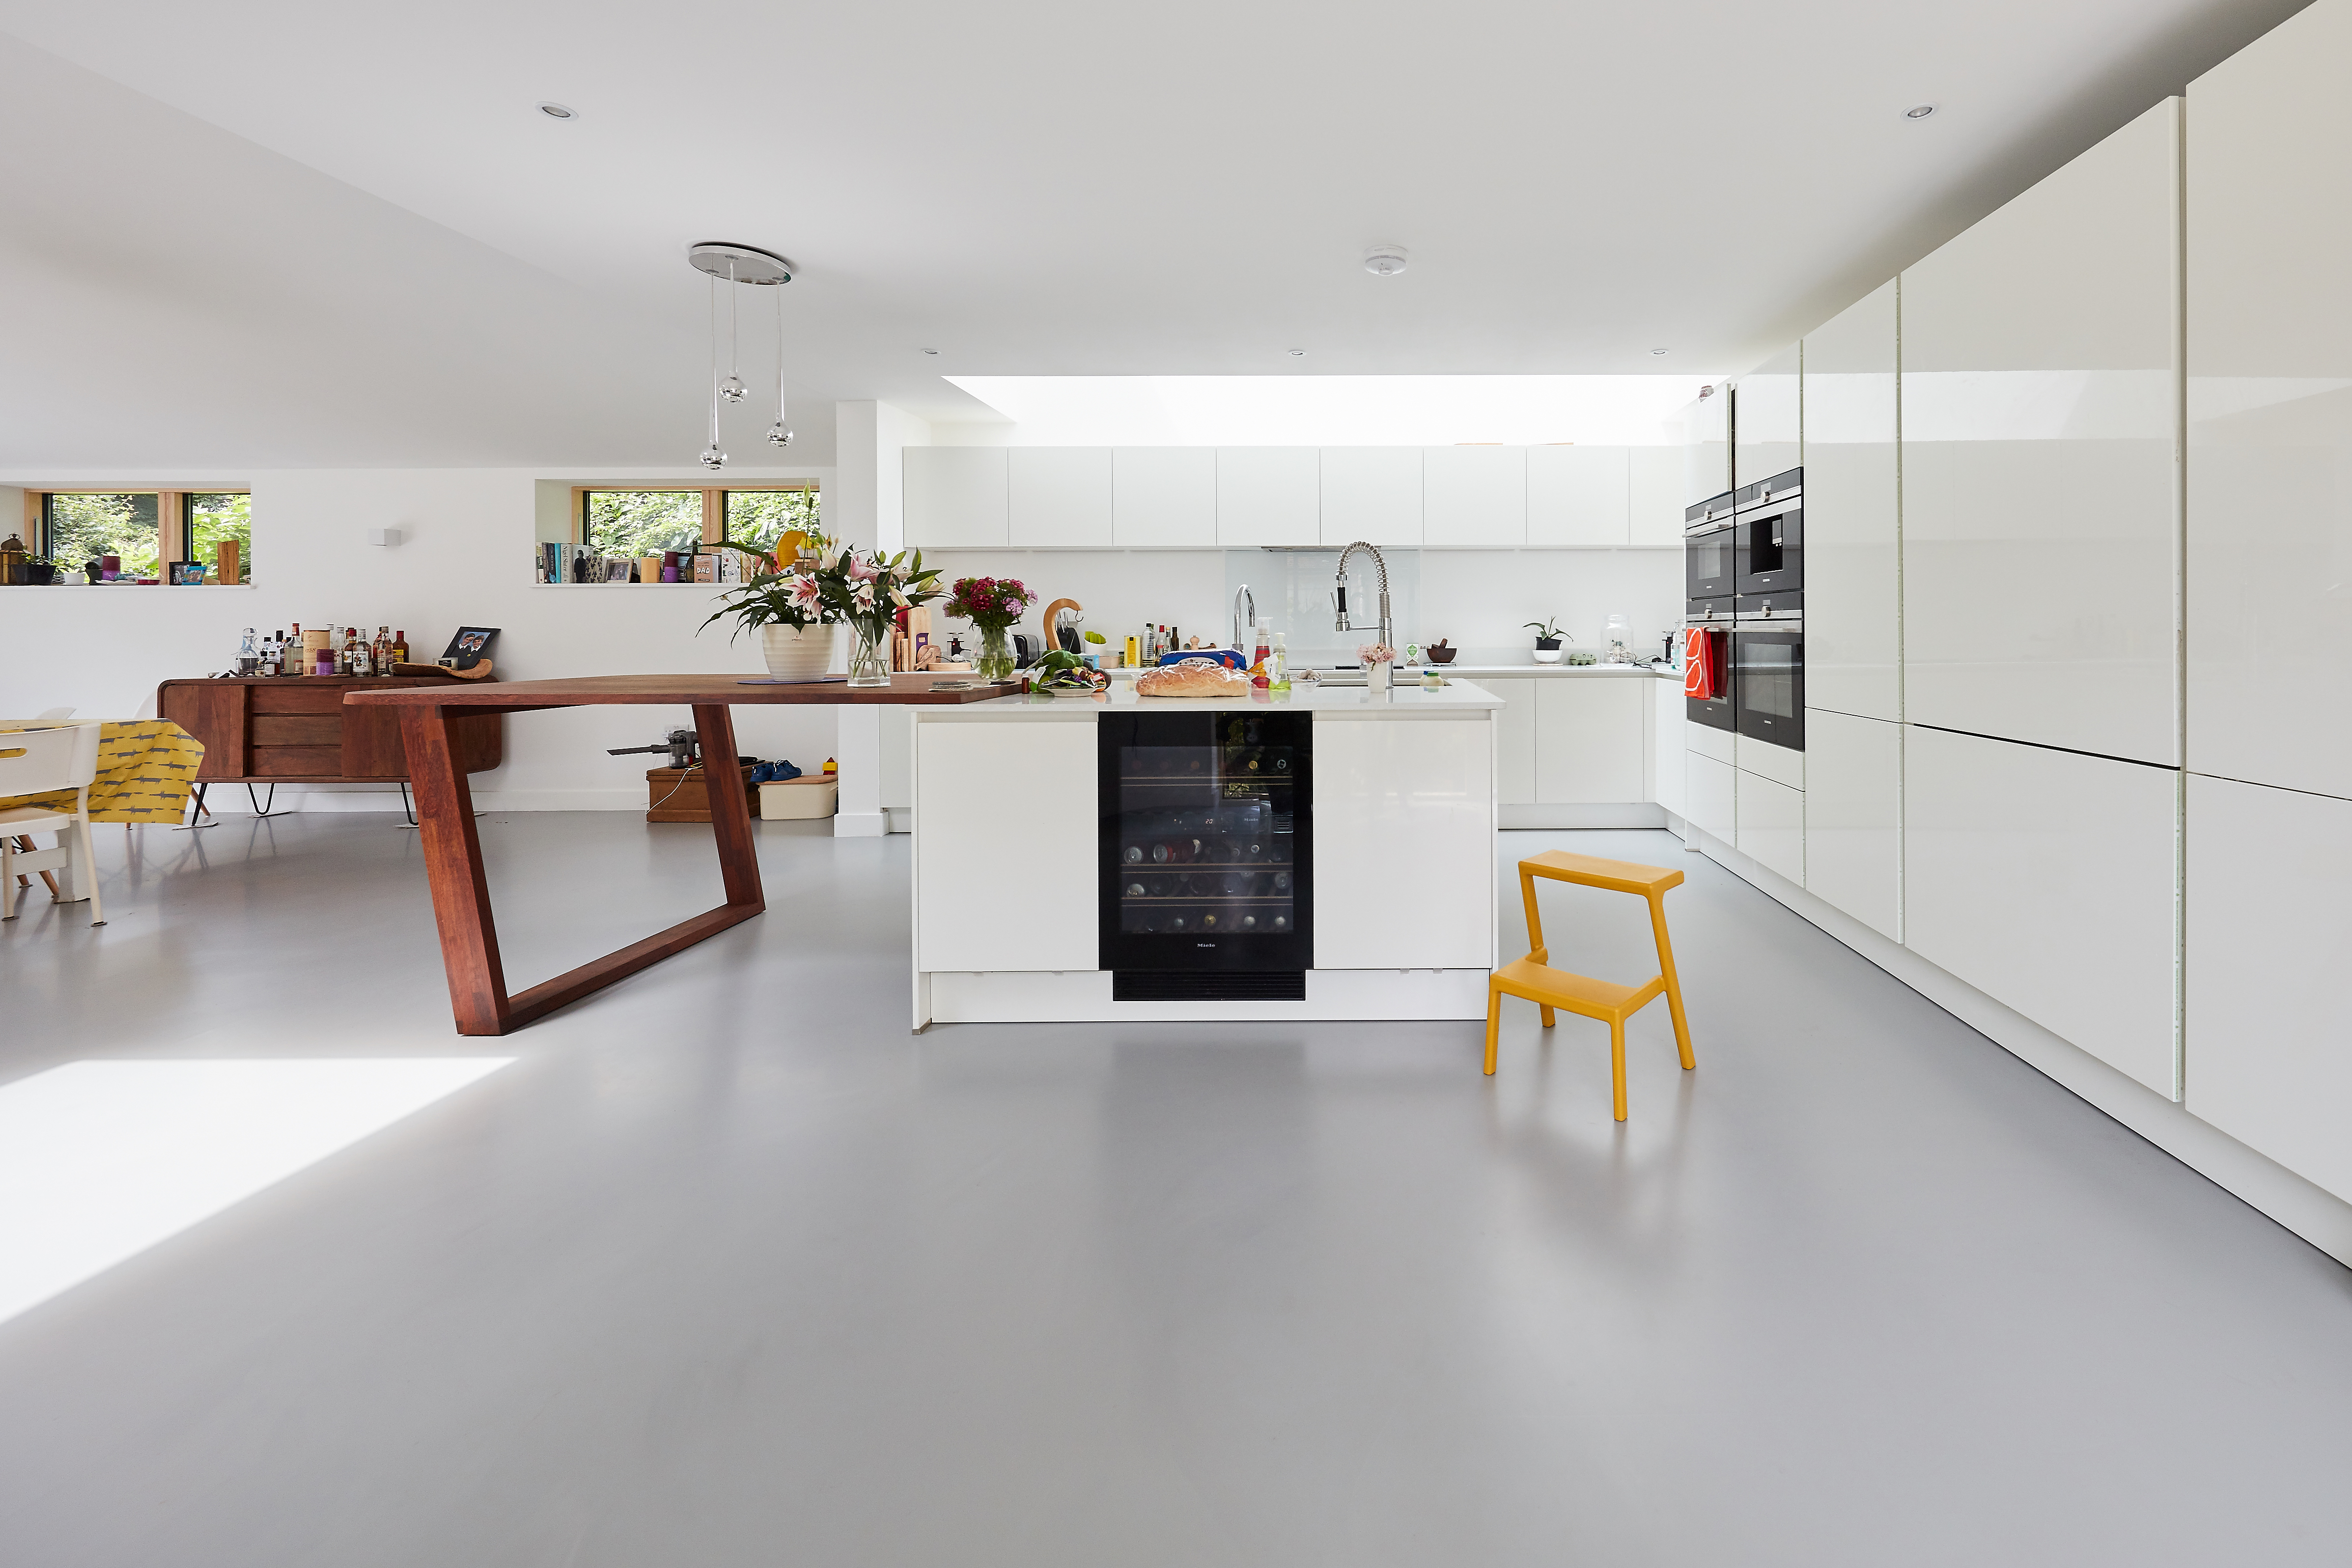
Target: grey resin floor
(728,1268)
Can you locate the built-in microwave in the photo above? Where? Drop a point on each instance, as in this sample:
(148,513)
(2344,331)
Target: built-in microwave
(1712,620)
(1768,669)
(1710,550)
(1771,534)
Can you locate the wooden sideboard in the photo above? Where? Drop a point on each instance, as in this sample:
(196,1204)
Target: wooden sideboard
(295,730)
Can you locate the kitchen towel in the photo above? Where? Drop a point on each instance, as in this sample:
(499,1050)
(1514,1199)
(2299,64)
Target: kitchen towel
(1702,673)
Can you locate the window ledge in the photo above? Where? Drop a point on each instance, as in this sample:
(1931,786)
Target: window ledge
(180,587)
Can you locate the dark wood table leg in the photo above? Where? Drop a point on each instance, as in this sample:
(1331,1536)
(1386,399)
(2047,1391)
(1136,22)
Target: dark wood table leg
(731,810)
(453,864)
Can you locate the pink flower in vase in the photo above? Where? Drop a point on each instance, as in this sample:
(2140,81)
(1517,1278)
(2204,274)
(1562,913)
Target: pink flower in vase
(862,570)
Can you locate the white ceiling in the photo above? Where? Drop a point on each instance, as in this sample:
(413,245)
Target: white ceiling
(264,232)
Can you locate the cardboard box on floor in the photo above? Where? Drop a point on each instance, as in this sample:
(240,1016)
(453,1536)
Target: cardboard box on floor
(814,795)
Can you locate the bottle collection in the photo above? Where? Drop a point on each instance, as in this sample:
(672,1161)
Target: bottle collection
(1226,868)
(340,652)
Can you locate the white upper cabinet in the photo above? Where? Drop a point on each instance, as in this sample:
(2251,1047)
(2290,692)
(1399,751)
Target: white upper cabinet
(1268,495)
(1852,613)
(1655,496)
(1707,446)
(958,496)
(1061,495)
(1766,412)
(2270,408)
(1371,493)
(1579,497)
(1163,495)
(2040,459)
(2045,879)
(1474,496)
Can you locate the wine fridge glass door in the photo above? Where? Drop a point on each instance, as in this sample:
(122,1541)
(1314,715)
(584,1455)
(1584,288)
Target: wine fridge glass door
(1206,838)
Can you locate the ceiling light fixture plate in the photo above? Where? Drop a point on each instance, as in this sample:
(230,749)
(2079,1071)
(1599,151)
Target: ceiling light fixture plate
(739,263)
(1920,111)
(557,111)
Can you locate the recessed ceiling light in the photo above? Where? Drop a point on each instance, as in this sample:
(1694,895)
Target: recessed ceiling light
(556,112)
(933,351)
(1657,351)
(1299,353)
(1920,111)
(1384,260)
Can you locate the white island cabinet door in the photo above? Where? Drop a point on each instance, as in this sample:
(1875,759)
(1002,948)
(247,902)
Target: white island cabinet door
(1515,740)
(2040,432)
(2270,420)
(1404,843)
(1164,496)
(1060,496)
(1853,618)
(1854,785)
(2045,879)
(1372,493)
(2269,1043)
(1473,497)
(1005,862)
(1269,495)
(956,496)
(1590,731)
(1578,497)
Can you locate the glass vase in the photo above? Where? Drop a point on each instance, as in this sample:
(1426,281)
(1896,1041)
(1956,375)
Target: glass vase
(869,656)
(996,662)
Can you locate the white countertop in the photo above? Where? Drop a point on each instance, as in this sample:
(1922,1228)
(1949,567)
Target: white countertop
(1458,697)
(1516,671)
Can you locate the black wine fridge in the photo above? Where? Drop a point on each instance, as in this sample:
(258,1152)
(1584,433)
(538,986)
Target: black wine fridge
(1207,838)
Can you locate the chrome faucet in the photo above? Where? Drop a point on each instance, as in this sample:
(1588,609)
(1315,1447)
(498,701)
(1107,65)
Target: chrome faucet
(1339,594)
(1241,626)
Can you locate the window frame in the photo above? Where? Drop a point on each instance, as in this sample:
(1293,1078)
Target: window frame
(714,501)
(172,539)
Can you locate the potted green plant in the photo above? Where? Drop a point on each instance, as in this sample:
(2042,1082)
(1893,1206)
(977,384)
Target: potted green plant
(40,571)
(788,609)
(994,605)
(1548,635)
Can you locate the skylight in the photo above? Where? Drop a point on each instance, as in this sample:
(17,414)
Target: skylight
(1329,410)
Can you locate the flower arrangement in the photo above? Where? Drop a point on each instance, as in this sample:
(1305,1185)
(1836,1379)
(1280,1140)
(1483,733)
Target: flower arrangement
(821,588)
(1375,653)
(994,605)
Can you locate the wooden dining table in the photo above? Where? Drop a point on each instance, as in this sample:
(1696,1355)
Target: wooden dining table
(453,849)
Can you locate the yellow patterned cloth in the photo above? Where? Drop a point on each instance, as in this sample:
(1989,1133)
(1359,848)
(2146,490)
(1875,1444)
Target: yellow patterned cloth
(146,770)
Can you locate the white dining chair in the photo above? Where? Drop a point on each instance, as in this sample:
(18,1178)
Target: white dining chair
(43,761)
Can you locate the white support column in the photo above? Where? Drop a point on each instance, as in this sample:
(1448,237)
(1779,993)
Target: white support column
(868,510)
(859,754)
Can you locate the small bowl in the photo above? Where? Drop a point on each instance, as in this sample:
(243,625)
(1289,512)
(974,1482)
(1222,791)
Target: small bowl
(1546,656)
(1440,654)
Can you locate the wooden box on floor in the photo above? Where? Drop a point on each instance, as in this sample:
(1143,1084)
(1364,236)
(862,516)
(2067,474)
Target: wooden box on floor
(678,794)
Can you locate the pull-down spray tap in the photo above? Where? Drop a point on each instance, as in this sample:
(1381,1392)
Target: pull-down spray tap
(1339,594)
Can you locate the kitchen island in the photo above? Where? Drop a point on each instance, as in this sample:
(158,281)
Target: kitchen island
(1055,838)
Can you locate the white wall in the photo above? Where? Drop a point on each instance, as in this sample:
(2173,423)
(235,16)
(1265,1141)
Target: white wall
(868,508)
(465,559)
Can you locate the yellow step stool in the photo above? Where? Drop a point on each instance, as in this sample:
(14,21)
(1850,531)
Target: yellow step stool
(1532,979)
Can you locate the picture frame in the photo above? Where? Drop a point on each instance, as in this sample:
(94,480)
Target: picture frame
(187,575)
(470,647)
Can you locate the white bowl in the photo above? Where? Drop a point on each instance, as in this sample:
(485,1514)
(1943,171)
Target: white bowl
(1546,656)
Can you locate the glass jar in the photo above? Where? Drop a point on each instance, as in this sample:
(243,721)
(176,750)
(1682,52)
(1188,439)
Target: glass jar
(1620,638)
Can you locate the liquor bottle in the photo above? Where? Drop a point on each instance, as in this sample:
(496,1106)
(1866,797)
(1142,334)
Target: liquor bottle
(400,647)
(355,652)
(272,649)
(380,656)
(248,654)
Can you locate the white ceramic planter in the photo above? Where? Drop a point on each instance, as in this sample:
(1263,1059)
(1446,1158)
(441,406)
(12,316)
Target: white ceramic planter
(796,653)
(1546,656)
(1376,676)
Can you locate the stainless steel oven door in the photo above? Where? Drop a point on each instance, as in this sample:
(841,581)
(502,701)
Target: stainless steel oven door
(1717,711)
(1711,560)
(1767,660)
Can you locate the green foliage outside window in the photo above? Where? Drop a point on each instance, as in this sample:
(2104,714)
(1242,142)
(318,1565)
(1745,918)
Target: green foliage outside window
(757,518)
(214,518)
(82,527)
(643,522)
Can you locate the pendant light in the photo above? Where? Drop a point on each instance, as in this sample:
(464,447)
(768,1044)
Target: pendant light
(739,265)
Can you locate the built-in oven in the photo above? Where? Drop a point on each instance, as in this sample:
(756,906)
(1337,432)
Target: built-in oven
(1767,660)
(1708,675)
(1771,529)
(1710,550)
(1207,847)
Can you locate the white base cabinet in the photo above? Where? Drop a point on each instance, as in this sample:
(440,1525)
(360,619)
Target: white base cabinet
(1404,843)
(1515,740)
(1772,825)
(2045,879)
(1854,789)
(1668,714)
(2269,1038)
(1589,739)
(1003,879)
(1711,794)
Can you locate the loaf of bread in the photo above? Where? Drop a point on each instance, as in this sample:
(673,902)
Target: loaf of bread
(1192,677)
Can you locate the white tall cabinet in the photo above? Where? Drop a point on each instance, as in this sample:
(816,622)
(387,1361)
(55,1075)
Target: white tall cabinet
(1707,446)
(1854,814)
(1767,413)
(2040,459)
(2269,641)
(1853,609)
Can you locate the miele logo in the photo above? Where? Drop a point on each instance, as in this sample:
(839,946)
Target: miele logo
(1204,944)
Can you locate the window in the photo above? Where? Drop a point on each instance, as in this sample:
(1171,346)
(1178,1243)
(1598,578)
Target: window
(634,522)
(146,528)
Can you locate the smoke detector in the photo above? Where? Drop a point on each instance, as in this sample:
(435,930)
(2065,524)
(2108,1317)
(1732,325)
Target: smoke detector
(1384,260)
